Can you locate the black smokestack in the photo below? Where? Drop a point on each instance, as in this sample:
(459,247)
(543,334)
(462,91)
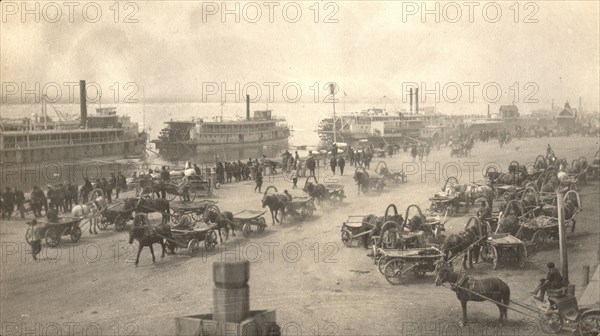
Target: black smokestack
(83,102)
(248,107)
(411,94)
(417,100)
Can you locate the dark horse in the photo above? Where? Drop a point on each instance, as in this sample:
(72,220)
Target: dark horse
(276,204)
(223,221)
(457,243)
(147,235)
(142,205)
(491,288)
(317,191)
(362,180)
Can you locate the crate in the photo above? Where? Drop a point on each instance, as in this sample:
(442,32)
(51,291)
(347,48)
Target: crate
(256,324)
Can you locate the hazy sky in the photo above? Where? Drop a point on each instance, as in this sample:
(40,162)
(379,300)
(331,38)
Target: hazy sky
(373,49)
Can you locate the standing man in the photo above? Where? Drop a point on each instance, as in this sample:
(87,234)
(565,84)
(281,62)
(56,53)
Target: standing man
(37,201)
(333,164)
(165,176)
(121,183)
(311,164)
(19,201)
(341,164)
(8,203)
(258,179)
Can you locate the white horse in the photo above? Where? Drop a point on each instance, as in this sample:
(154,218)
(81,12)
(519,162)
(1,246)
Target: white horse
(90,212)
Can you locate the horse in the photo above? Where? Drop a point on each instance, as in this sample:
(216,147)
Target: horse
(276,204)
(317,191)
(472,192)
(509,224)
(465,287)
(223,220)
(89,213)
(142,205)
(362,180)
(147,236)
(456,244)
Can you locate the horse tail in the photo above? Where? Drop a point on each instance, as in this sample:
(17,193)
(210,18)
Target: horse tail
(505,290)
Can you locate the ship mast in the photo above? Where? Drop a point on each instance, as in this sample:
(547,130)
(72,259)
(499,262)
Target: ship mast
(332,90)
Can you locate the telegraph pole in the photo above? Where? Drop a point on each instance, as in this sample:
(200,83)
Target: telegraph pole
(562,237)
(332,90)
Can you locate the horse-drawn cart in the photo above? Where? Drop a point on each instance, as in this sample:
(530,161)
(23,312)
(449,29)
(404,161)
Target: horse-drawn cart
(352,229)
(503,249)
(537,231)
(53,231)
(190,239)
(115,215)
(335,193)
(301,207)
(189,212)
(248,218)
(395,175)
(398,263)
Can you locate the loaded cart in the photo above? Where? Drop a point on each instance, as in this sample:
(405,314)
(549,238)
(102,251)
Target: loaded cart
(53,231)
(190,239)
(301,207)
(248,218)
(398,263)
(504,249)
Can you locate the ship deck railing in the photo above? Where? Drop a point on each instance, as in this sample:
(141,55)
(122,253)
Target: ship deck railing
(60,142)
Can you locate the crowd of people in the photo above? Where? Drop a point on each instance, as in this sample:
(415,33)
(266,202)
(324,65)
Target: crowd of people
(61,197)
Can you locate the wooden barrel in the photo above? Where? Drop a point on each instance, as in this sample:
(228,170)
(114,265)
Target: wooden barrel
(231,294)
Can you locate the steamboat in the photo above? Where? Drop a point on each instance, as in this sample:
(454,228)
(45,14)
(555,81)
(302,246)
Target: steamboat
(381,128)
(199,137)
(41,139)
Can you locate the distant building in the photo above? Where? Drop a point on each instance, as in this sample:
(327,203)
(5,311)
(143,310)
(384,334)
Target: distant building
(509,112)
(566,118)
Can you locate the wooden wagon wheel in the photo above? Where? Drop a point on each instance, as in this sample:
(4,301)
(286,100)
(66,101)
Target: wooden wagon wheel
(394,271)
(346,237)
(75,233)
(53,237)
(381,262)
(29,235)
(96,193)
(141,219)
(210,241)
(170,196)
(573,197)
(419,273)
(589,324)
(551,322)
(247,229)
(491,254)
(121,221)
(192,247)
(103,222)
(262,224)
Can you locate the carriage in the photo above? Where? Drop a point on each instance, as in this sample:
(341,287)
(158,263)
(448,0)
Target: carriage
(460,150)
(190,239)
(186,190)
(433,227)
(352,229)
(246,219)
(53,232)
(397,176)
(301,207)
(397,263)
(116,215)
(335,192)
(505,249)
(186,212)
(367,182)
(538,230)
(448,205)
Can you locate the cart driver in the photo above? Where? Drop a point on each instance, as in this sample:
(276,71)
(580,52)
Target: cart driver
(37,231)
(553,280)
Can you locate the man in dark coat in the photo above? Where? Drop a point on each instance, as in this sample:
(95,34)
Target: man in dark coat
(553,280)
(8,203)
(333,164)
(86,189)
(341,164)
(165,176)
(19,201)
(311,165)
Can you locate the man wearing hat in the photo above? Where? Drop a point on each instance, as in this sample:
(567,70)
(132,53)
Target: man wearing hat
(553,280)
(36,238)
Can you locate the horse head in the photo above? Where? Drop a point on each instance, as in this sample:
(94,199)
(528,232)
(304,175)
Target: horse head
(415,223)
(442,270)
(136,232)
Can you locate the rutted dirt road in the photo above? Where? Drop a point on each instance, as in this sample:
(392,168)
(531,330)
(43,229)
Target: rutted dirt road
(301,269)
